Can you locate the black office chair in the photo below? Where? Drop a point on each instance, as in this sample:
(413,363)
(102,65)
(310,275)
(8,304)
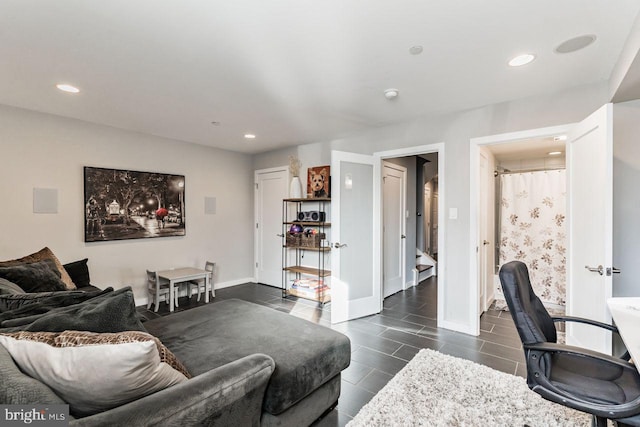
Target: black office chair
(604,386)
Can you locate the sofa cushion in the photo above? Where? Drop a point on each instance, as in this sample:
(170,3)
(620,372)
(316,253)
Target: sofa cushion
(95,372)
(306,355)
(8,288)
(44,253)
(39,276)
(108,311)
(79,273)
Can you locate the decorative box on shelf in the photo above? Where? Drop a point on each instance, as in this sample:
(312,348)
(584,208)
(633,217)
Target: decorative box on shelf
(311,240)
(292,239)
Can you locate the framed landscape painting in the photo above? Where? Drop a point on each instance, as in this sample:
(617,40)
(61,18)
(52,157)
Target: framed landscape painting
(123,204)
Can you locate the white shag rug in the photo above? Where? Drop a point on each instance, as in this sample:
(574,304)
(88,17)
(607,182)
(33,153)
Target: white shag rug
(435,389)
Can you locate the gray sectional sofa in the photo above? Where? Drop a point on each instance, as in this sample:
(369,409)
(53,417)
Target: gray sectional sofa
(250,365)
(307,358)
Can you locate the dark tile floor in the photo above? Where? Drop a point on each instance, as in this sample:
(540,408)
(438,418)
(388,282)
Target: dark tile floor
(383,344)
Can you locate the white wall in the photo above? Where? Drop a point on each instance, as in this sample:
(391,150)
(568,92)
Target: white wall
(626,198)
(40,150)
(456,130)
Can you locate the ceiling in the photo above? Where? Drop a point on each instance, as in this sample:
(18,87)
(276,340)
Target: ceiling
(293,71)
(534,148)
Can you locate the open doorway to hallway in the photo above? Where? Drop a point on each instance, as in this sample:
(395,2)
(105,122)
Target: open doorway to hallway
(409,222)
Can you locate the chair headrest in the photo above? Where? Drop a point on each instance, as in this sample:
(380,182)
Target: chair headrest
(529,314)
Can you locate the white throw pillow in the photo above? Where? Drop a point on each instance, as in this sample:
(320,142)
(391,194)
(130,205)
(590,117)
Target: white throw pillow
(95,372)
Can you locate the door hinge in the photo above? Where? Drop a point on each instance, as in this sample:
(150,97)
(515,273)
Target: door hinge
(256,185)
(256,265)
(256,225)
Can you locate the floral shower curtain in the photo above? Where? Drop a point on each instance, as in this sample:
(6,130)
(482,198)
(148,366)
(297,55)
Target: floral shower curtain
(532,230)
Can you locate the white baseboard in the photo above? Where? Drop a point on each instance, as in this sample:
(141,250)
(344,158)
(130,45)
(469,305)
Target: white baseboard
(235,282)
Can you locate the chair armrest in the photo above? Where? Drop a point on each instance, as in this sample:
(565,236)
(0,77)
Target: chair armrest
(585,321)
(231,394)
(547,347)
(612,328)
(544,387)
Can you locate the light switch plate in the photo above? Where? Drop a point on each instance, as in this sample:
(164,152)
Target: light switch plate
(453,213)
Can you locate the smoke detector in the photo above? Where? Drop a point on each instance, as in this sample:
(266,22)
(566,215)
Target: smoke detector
(391,93)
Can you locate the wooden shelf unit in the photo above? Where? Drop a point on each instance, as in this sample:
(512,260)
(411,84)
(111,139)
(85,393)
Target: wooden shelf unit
(308,270)
(293,256)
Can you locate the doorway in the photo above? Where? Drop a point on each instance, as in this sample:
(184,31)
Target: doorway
(525,151)
(529,189)
(423,236)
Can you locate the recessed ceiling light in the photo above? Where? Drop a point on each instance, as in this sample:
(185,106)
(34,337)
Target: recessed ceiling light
(555,153)
(560,138)
(67,88)
(215,123)
(415,50)
(249,136)
(521,60)
(575,43)
(391,93)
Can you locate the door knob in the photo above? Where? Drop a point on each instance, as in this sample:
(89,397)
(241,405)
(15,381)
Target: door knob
(485,242)
(280,235)
(599,269)
(338,245)
(402,236)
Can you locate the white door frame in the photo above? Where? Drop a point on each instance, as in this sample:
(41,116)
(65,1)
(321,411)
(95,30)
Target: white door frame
(438,148)
(256,236)
(485,279)
(403,224)
(474,218)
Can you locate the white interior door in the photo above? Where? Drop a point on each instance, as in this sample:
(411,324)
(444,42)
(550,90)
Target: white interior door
(394,195)
(271,186)
(485,271)
(590,201)
(355,278)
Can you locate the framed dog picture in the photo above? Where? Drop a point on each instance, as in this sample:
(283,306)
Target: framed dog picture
(318,182)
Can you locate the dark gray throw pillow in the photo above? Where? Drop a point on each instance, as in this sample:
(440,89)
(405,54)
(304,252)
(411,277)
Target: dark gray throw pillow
(8,288)
(37,276)
(79,273)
